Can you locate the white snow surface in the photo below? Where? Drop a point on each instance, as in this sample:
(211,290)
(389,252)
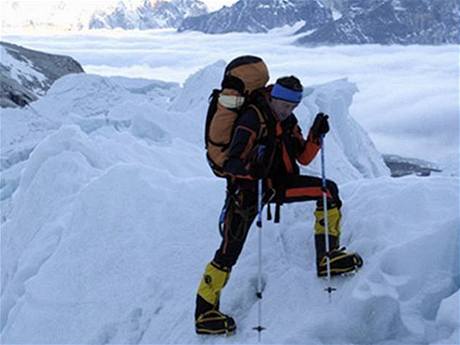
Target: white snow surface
(109,215)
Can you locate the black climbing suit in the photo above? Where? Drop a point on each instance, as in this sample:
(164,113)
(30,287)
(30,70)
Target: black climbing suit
(283,183)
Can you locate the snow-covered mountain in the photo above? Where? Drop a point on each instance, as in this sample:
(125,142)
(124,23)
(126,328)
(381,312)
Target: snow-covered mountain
(63,15)
(260,16)
(26,74)
(341,22)
(150,14)
(109,215)
(327,22)
(390,22)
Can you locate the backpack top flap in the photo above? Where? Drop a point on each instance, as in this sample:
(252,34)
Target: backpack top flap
(251,70)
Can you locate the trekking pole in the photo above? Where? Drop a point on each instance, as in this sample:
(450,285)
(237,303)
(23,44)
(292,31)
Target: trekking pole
(329,289)
(259,328)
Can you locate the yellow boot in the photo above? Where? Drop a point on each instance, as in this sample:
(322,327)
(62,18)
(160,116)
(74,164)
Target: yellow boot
(333,219)
(339,260)
(208,318)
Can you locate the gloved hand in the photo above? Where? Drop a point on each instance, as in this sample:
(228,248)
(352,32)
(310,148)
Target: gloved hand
(320,125)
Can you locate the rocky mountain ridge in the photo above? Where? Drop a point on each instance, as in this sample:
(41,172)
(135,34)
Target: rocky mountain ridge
(26,74)
(332,22)
(260,16)
(390,22)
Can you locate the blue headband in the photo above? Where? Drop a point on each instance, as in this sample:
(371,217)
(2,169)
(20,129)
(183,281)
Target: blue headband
(285,94)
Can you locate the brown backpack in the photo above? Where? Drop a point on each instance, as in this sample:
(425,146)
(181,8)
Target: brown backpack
(242,76)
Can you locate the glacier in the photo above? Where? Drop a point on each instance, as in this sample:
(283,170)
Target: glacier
(109,214)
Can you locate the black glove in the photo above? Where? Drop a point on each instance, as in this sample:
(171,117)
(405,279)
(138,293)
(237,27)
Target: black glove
(320,125)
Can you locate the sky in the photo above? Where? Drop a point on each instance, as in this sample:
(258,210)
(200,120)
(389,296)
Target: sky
(408,97)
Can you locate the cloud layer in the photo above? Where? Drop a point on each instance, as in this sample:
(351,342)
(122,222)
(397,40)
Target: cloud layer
(408,99)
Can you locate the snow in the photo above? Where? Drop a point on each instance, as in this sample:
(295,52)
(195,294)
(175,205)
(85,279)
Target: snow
(450,164)
(335,99)
(109,216)
(336,14)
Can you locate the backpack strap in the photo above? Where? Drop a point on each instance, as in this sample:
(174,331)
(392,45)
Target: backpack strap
(263,130)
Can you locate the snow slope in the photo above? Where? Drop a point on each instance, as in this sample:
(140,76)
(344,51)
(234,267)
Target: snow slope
(109,215)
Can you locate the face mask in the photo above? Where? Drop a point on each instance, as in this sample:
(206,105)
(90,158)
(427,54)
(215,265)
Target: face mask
(231,102)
